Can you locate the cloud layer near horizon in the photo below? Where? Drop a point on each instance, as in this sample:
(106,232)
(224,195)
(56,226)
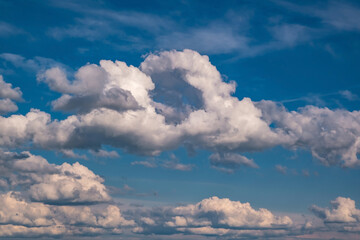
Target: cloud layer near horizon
(43,199)
(40,199)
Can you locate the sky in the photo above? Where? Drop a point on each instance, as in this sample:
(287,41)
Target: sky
(179,119)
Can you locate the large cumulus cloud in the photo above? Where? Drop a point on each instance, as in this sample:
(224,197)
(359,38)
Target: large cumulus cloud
(177,98)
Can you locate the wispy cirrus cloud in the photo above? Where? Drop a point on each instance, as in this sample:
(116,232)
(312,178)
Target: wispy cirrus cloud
(7,30)
(141,30)
(169,163)
(342,16)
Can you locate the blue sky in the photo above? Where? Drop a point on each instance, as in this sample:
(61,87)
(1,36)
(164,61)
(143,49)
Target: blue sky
(252,101)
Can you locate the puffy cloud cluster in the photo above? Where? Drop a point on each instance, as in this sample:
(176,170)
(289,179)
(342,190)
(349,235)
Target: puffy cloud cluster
(19,217)
(8,95)
(177,98)
(228,162)
(343,215)
(224,212)
(46,199)
(332,136)
(50,183)
(216,217)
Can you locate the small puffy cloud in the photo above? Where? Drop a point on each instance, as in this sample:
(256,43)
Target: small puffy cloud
(149,164)
(6,106)
(7,91)
(305,172)
(108,86)
(342,217)
(104,154)
(343,210)
(230,161)
(17,129)
(349,95)
(177,166)
(281,169)
(8,94)
(332,136)
(71,154)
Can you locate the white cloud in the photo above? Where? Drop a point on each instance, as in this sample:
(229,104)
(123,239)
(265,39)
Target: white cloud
(6,106)
(217,217)
(23,218)
(230,161)
(54,200)
(332,136)
(215,120)
(95,87)
(8,94)
(342,217)
(342,210)
(55,184)
(73,184)
(7,91)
